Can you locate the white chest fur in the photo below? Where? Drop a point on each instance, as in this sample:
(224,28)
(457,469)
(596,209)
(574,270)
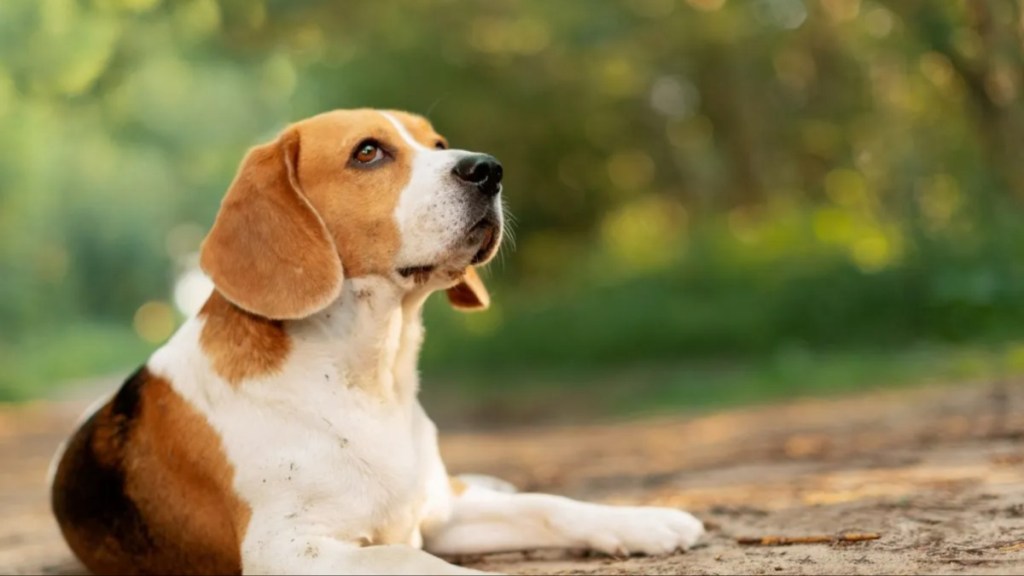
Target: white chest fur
(335,442)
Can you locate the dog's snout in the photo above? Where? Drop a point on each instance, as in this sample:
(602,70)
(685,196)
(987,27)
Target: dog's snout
(482,170)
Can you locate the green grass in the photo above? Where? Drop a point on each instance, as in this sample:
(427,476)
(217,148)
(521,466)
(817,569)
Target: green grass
(571,393)
(726,303)
(38,364)
(724,323)
(560,395)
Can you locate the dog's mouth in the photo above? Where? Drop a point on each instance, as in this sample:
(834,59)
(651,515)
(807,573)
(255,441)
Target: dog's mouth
(487,229)
(418,272)
(485,234)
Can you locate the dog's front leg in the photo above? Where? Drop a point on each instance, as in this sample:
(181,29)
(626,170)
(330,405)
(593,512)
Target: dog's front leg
(485,520)
(292,554)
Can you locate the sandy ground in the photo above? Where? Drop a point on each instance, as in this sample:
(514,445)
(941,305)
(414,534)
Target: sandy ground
(937,473)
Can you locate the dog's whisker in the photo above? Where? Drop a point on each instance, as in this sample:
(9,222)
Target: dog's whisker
(509,231)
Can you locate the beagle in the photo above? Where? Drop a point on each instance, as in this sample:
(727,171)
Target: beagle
(278,431)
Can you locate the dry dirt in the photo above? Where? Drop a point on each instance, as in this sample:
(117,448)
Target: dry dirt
(937,473)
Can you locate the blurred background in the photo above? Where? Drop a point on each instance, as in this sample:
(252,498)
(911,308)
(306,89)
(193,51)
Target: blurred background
(717,202)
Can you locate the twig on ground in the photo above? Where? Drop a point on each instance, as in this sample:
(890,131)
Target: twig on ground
(817,539)
(1016,547)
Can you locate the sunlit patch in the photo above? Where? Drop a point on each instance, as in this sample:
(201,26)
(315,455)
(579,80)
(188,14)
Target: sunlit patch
(619,76)
(846,187)
(154,321)
(871,245)
(1014,356)
(1001,84)
(809,445)
(833,226)
(787,14)
(872,252)
(841,10)
(85,53)
(937,69)
(256,15)
(878,22)
(646,234)
(831,488)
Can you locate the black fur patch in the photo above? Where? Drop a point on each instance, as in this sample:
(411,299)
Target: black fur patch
(126,402)
(89,491)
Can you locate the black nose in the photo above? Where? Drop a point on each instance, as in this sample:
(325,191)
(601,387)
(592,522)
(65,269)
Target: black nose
(483,170)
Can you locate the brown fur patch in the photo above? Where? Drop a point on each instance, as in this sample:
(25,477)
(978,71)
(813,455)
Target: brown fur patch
(457,486)
(269,250)
(144,487)
(356,203)
(241,345)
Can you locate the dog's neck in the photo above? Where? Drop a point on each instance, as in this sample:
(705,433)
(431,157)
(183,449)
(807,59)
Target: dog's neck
(372,333)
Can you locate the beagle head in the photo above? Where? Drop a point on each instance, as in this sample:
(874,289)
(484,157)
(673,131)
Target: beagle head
(353,193)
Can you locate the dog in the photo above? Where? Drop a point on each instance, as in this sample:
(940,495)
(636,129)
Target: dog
(278,431)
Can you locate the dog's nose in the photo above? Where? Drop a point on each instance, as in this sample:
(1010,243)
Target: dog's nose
(482,170)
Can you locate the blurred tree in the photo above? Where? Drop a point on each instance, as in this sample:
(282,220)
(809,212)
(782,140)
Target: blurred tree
(869,142)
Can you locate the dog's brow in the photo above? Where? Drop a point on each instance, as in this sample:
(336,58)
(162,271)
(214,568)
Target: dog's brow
(403,132)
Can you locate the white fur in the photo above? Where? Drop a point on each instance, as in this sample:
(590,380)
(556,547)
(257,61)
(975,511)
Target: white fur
(337,459)
(486,520)
(433,214)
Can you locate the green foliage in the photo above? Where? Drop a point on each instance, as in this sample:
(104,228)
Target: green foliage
(729,299)
(80,349)
(692,180)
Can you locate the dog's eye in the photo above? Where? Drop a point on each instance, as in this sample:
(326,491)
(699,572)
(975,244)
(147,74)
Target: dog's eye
(368,152)
(440,145)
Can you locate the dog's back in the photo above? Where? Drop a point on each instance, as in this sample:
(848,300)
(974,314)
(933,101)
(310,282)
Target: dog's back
(104,498)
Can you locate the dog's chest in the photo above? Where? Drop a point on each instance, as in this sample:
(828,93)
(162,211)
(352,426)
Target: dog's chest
(356,466)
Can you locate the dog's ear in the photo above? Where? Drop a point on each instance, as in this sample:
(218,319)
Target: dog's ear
(269,251)
(469,294)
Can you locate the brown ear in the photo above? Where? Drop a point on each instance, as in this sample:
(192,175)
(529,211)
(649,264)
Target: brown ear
(269,252)
(469,294)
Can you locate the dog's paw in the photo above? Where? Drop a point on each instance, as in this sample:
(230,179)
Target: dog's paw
(621,531)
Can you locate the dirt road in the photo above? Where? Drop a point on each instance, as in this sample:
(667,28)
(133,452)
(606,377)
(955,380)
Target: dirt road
(938,473)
